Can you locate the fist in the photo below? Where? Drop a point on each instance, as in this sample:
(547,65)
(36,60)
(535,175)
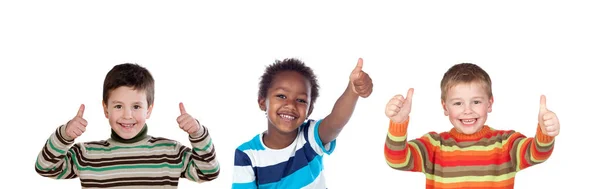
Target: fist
(76,126)
(360,81)
(187,122)
(547,119)
(398,108)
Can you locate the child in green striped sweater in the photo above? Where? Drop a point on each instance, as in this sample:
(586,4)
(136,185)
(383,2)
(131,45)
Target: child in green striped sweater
(129,158)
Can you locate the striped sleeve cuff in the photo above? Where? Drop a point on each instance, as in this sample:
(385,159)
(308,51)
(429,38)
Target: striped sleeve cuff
(201,141)
(541,138)
(398,129)
(62,134)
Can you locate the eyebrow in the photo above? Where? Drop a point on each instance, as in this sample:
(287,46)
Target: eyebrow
(477,97)
(287,90)
(119,102)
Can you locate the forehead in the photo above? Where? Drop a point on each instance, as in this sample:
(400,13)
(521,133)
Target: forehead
(467,90)
(126,94)
(290,80)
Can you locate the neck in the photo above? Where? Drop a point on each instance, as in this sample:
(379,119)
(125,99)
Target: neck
(141,135)
(275,139)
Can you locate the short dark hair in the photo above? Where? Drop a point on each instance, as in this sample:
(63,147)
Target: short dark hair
(130,75)
(289,64)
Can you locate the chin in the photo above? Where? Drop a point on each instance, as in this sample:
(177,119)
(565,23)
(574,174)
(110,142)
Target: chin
(288,129)
(127,134)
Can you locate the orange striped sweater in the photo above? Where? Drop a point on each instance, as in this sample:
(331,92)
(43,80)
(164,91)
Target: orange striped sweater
(488,159)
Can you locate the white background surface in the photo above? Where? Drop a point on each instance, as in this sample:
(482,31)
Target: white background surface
(54,56)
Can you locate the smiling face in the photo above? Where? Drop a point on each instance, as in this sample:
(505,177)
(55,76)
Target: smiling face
(287,102)
(467,106)
(127,110)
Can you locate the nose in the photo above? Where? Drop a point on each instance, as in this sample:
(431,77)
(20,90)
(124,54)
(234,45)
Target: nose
(290,104)
(127,113)
(468,109)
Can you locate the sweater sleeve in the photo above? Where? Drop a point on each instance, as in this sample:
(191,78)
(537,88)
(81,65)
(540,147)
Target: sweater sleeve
(529,151)
(406,155)
(56,158)
(200,162)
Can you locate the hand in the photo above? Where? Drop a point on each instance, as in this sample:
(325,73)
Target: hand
(547,119)
(399,107)
(77,125)
(360,81)
(187,122)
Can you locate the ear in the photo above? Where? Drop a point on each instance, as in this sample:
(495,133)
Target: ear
(491,102)
(446,113)
(105,107)
(149,111)
(262,103)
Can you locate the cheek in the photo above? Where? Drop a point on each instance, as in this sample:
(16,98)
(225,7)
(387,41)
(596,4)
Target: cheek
(140,114)
(113,116)
(303,108)
(482,110)
(453,112)
(272,105)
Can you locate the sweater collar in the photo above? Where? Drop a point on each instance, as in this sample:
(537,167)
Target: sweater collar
(141,135)
(485,130)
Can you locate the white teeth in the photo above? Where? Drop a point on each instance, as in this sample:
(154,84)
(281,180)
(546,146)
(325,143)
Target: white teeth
(287,117)
(127,125)
(468,121)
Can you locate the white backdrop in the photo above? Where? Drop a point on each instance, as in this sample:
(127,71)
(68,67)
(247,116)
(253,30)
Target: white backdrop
(54,56)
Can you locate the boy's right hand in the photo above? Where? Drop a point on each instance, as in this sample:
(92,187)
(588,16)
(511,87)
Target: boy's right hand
(399,107)
(77,125)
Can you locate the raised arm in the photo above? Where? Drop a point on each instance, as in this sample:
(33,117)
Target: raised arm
(360,85)
(400,153)
(56,158)
(528,151)
(200,162)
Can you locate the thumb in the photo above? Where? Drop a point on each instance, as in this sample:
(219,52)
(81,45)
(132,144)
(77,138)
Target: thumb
(181,108)
(409,94)
(359,66)
(80,112)
(543,103)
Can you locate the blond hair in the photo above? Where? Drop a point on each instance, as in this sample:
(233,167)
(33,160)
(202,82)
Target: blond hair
(465,73)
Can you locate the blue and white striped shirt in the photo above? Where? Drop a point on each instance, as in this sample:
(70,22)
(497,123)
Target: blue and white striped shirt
(300,165)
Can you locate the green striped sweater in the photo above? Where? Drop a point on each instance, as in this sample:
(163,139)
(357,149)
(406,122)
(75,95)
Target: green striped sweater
(152,162)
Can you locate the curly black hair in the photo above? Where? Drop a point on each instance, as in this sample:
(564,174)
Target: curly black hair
(289,64)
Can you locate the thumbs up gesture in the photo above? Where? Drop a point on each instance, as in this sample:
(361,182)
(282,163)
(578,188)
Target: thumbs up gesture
(398,108)
(547,119)
(187,122)
(76,126)
(360,81)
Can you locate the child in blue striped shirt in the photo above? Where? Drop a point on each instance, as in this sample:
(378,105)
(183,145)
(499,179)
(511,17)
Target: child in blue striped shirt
(289,154)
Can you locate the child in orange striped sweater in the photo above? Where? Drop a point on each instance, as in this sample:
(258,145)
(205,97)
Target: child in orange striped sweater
(471,155)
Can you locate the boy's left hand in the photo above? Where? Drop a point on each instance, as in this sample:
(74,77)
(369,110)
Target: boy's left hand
(547,119)
(361,82)
(187,122)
